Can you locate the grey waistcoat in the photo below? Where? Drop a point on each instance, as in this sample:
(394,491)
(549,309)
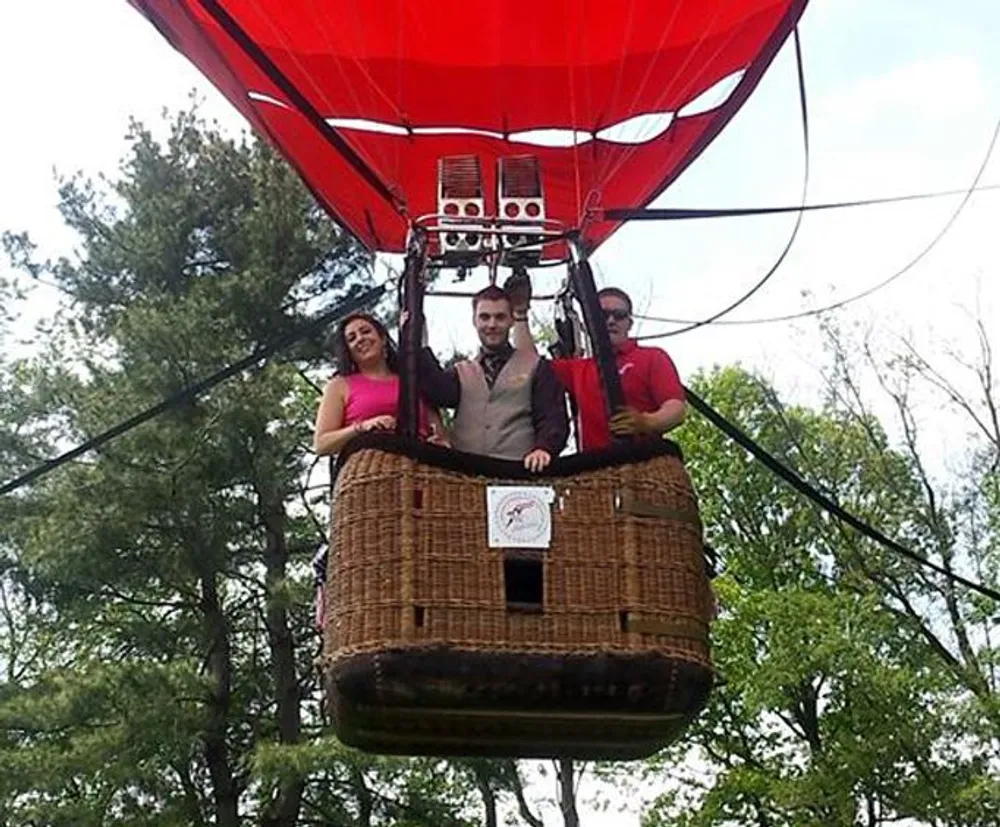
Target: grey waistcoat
(496,422)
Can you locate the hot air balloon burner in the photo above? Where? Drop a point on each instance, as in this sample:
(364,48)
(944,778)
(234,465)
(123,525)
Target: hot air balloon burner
(467,232)
(520,199)
(461,206)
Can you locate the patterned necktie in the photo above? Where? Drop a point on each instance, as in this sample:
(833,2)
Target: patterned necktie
(492,363)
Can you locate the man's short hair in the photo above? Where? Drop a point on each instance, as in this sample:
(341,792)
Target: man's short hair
(490,294)
(617,293)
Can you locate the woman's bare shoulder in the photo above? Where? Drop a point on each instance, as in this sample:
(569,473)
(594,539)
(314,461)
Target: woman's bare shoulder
(336,387)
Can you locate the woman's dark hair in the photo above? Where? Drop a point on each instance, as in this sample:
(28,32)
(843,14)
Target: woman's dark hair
(345,364)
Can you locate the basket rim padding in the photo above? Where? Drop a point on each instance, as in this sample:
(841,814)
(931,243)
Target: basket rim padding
(635,683)
(396,702)
(478,465)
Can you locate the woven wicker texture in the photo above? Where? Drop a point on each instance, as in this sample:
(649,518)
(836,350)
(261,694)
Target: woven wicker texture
(424,655)
(410,564)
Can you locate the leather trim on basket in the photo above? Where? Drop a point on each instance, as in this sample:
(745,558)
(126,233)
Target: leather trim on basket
(685,627)
(462,462)
(627,502)
(443,676)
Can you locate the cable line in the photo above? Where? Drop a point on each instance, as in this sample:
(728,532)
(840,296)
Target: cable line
(804,116)
(688,213)
(191,391)
(842,302)
(806,489)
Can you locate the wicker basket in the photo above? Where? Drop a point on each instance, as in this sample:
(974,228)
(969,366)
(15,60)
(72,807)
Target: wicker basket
(437,643)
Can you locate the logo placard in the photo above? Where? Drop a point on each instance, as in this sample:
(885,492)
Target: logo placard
(520,516)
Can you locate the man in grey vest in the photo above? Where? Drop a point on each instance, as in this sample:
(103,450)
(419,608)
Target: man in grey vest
(508,402)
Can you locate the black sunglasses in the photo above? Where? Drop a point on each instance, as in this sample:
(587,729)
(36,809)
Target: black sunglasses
(616,314)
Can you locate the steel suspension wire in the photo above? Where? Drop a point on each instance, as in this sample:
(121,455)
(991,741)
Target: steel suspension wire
(192,391)
(868,291)
(806,489)
(804,114)
(694,213)
(259,56)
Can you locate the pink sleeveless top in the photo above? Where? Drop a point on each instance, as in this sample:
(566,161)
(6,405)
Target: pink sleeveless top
(368,397)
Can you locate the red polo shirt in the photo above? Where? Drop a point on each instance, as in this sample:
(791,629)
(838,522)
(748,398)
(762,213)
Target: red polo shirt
(648,376)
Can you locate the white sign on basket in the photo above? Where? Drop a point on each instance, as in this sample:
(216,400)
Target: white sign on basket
(519,516)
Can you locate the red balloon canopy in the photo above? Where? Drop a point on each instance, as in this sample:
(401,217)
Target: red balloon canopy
(615,97)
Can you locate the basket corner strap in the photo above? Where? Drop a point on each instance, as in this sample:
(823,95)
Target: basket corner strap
(677,627)
(628,502)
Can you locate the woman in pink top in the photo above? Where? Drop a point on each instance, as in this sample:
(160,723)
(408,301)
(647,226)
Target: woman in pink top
(364,396)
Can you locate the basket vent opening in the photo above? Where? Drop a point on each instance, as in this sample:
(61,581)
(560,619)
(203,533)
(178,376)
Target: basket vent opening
(523,585)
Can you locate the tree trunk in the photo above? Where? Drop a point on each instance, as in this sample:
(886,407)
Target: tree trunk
(283,811)
(489,796)
(522,802)
(220,669)
(192,800)
(365,802)
(567,796)
(805,708)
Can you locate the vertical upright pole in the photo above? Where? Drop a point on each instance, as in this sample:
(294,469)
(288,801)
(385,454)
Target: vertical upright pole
(566,321)
(586,292)
(408,417)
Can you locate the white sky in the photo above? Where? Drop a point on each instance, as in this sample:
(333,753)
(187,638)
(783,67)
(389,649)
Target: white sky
(904,96)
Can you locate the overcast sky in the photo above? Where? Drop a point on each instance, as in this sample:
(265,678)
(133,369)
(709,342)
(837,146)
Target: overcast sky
(904,96)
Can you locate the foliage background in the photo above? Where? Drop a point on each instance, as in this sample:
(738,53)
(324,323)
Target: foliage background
(156,642)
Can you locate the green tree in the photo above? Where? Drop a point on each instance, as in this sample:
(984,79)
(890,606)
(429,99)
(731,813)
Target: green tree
(156,644)
(836,708)
(160,587)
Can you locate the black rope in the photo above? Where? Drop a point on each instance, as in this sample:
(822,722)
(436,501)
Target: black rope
(299,100)
(864,293)
(804,115)
(682,213)
(189,393)
(607,368)
(824,502)
(412,285)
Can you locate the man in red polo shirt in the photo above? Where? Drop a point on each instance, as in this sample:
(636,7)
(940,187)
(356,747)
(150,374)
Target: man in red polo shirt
(654,396)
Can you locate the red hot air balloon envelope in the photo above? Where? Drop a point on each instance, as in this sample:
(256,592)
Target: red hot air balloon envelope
(441,640)
(614,97)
